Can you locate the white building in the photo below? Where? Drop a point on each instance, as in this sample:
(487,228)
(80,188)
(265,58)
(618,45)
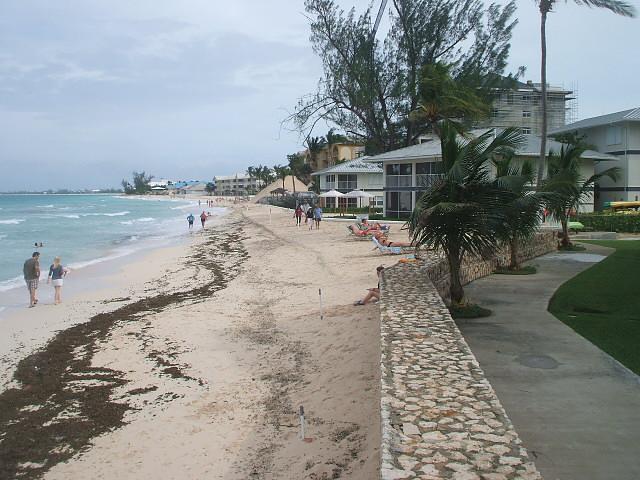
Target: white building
(411,170)
(358,174)
(522,107)
(617,134)
(238,184)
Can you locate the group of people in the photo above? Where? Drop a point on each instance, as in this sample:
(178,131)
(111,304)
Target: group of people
(209,203)
(31,272)
(203,219)
(312,215)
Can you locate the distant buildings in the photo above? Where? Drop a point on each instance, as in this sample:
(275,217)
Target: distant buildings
(617,134)
(238,184)
(329,155)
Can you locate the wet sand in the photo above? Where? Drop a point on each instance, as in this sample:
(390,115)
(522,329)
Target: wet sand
(200,374)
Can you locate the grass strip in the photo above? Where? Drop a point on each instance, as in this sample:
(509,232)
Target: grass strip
(602,303)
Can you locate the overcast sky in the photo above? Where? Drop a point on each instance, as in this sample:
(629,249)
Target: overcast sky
(91,90)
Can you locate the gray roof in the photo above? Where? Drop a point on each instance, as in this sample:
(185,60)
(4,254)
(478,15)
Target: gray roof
(631,115)
(358,165)
(431,149)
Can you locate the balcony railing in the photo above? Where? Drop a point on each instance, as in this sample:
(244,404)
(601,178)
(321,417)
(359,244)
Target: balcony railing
(427,180)
(398,181)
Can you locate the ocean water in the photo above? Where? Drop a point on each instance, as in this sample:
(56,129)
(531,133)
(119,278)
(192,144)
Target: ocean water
(84,229)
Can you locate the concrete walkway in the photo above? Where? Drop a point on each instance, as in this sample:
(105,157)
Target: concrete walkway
(576,409)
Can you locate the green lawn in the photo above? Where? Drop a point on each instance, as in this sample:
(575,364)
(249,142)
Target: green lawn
(603,303)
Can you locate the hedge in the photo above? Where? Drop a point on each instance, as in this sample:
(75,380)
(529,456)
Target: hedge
(624,223)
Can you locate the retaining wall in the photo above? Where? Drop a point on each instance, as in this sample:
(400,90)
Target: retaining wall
(440,416)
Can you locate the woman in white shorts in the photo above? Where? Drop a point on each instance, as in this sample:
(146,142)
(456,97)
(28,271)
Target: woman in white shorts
(56,275)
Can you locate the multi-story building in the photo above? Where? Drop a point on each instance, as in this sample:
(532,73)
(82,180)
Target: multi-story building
(522,107)
(409,171)
(355,174)
(331,154)
(617,134)
(238,184)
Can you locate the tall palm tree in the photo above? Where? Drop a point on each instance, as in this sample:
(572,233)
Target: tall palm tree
(282,171)
(315,146)
(443,97)
(462,213)
(522,212)
(546,6)
(569,187)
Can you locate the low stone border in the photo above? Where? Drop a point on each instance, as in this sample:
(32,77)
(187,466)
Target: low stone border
(440,416)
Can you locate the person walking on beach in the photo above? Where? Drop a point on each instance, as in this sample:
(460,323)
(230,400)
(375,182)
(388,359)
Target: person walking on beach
(190,219)
(203,218)
(298,214)
(56,274)
(31,271)
(310,218)
(317,216)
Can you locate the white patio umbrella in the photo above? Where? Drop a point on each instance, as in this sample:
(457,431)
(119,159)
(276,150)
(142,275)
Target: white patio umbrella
(332,194)
(358,194)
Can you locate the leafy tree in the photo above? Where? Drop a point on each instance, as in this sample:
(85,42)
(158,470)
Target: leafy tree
(522,211)
(545,7)
(462,213)
(141,182)
(443,97)
(370,87)
(569,187)
(299,169)
(127,187)
(210,188)
(315,146)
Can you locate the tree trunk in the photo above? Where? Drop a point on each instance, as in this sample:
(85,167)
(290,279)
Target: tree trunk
(514,265)
(543,80)
(565,232)
(455,289)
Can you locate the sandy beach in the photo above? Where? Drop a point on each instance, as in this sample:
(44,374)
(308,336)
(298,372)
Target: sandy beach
(194,362)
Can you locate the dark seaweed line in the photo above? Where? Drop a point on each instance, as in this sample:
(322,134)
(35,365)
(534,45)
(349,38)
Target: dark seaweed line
(52,416)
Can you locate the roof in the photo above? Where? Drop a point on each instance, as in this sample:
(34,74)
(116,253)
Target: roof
(631,115)
(431,149)
(232,177)
(357,165)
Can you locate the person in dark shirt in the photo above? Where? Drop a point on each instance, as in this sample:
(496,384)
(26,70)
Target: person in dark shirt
(31,272)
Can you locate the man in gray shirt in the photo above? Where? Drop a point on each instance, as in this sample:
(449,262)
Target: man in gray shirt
(31,271)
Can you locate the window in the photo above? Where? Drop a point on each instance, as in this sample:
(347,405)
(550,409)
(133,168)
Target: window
(495,113)
(399,175)
(330,182)
(526,114)
(398,204)
(525,130)
(526,98)
(614,135)
(379,201)
(427,173)
(347,182)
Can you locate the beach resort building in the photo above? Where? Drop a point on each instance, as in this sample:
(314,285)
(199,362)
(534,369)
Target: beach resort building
(409,171)
(357,174)
(331,154)
(522,107)
(238,184)
(617,134)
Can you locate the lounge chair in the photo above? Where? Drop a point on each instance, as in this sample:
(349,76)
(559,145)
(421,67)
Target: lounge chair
(392,250)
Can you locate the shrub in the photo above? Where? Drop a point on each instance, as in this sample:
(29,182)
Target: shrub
(625,223)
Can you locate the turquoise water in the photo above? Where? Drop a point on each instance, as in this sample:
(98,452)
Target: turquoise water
(83,229)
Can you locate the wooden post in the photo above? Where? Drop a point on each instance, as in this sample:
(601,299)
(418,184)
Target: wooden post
(320,295)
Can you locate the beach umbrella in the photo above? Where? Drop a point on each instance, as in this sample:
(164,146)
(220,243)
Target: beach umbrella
(332,194)
(358,194)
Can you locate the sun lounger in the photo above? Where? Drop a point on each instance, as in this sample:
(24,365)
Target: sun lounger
(391,250)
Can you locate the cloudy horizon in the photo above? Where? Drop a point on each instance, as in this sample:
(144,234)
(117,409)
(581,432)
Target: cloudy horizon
(91,91)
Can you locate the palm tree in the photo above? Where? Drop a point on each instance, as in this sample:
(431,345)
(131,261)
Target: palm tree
(570,189)
(522,212)
(546,6)
(331,139)
(281,172)
(315,146)
(461,213)
(443,97)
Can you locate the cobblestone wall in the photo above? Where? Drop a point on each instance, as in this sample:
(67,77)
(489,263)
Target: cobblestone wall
(472,268)
(441,418)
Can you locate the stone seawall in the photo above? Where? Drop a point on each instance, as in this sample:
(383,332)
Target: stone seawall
(440,416)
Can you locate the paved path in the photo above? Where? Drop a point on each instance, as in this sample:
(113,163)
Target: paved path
(576,409)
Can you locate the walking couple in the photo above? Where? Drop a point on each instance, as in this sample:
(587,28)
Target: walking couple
(31,271)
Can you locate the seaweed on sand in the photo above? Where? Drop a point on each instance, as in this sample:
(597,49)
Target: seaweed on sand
(62,401)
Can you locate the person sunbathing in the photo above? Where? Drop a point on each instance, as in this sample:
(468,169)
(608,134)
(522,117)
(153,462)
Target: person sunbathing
(372,226)
(358,232)
(384,240)
(374,293)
